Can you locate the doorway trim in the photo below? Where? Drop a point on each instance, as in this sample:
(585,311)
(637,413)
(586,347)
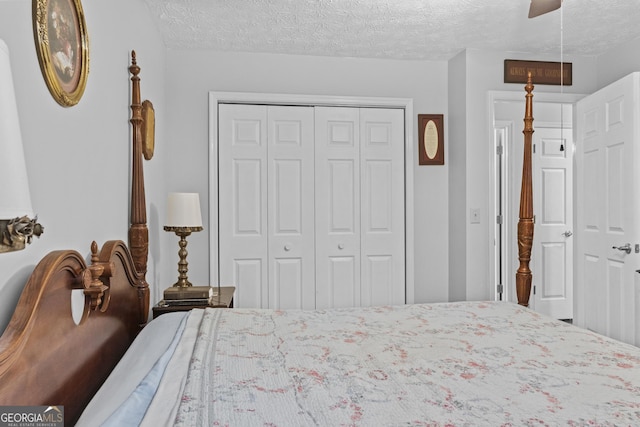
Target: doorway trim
(216,98)
(492,98)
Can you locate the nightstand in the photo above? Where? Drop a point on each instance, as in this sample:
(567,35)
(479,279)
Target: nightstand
(223,300)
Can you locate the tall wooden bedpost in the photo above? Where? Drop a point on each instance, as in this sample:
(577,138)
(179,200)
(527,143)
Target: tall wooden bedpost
(525,225)
(138,232)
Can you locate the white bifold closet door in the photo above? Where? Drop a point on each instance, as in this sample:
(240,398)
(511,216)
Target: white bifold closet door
(359,207)
(311,205)
(266,218)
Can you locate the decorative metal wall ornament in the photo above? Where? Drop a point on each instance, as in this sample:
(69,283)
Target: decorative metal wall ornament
(62,44)
(16,233)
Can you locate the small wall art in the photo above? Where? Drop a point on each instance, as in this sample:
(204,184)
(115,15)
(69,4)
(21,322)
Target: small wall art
(431,139)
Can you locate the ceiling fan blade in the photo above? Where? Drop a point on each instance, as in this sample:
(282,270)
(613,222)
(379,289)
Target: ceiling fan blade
(540,7)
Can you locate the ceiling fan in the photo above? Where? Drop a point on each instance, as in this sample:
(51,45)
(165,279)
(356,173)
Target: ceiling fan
(540,7)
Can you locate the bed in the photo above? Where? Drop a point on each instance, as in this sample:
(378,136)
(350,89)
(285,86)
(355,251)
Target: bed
(462,363)
(466,363)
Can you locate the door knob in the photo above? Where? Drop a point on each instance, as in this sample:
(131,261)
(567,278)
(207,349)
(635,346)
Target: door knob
(626,248)
(340,246)
(287,248)
(567,233)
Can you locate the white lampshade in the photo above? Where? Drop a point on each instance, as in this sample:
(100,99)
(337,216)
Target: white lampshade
(15,199)
(183,210)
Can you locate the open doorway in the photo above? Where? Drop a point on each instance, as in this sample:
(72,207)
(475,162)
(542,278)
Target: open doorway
(552,253)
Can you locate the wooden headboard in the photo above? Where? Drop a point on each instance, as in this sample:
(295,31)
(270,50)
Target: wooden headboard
(48,359)
(45,358)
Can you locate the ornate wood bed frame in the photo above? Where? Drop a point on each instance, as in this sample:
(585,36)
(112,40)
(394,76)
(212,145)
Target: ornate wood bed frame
(45,358)
(526,222)
(65,364)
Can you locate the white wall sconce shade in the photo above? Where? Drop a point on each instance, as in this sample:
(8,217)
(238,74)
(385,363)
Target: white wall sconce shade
(16,228)
(15,199)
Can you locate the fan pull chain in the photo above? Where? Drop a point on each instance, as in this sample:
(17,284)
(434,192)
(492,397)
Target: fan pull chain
(561,79)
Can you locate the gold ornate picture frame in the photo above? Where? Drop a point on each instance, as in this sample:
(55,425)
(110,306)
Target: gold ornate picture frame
(62,45)
(148,129)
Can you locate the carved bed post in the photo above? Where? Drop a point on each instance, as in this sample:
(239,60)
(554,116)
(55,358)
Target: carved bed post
(138,232)
(525,225)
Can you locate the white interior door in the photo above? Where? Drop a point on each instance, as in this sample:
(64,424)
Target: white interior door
(382,201)
(311,205)
(552,259)
(552,252)
(266,214)
(360,252)
(243,202)
(337,162)
(608,210)
(290,209)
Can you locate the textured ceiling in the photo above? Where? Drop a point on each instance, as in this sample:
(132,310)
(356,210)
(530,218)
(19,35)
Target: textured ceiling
(400,29)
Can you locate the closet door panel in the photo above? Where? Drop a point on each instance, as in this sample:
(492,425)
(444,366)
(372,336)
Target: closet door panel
(341,190)
(337,199)
(311,205)
(243,202)
(341,285)
(291,207)
(379,271)
(382,202)
(247,195)
(247,273)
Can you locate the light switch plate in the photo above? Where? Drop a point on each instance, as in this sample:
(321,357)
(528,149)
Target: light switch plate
(475,216)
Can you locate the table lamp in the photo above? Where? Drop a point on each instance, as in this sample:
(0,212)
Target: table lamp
(183,218)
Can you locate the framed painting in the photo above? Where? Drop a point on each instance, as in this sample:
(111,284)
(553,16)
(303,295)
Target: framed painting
(431,139)
(62,45)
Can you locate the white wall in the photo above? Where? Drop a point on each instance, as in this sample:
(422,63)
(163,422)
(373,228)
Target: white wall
(78,157)
(618,62)
(192,74)
(457,89)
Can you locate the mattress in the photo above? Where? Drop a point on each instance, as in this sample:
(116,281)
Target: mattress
(138,364)
(467,363)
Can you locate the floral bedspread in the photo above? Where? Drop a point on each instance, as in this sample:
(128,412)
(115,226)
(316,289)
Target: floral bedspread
(450,364)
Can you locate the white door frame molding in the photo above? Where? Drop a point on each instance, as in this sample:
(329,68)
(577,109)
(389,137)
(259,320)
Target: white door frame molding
(216,98)
(494,96)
